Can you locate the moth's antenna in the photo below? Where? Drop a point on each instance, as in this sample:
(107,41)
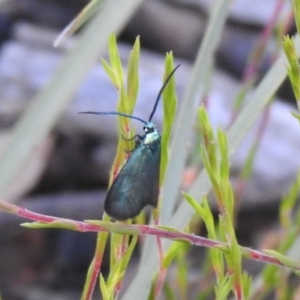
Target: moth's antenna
(133,117)
(114,113)
(161,91)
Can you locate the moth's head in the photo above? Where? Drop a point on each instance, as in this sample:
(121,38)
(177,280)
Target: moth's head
(149,128)
(151,133)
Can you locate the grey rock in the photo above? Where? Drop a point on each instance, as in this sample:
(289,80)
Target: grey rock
(53,13)
(168,26)
(254,12)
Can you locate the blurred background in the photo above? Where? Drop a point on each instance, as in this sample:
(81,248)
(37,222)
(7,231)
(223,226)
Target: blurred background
(67,173)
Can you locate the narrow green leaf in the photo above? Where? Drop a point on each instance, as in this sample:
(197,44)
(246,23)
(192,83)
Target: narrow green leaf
(115,277)
(247,284)
(110,72)
(287,205)
(127,256)
(223,288)
(104,289)
(169,96)
(208,138)
(169,104)
(224,164)
(115,227)
(115,60)
(132,73)
(55,224)
(171,253)
(293,67)
(196,206)
(296,10)
(296,115)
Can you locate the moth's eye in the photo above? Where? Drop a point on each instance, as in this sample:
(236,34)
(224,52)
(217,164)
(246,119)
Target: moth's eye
(148,129)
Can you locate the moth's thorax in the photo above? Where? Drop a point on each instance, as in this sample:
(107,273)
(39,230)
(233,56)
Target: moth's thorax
(151,134)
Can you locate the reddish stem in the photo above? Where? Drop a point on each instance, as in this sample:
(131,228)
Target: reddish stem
(257,55)
(96,266)
(143,230)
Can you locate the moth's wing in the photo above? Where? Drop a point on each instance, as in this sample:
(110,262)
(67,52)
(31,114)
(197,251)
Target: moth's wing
(137,184)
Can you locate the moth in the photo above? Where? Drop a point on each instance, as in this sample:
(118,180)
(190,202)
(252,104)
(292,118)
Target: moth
(137,184)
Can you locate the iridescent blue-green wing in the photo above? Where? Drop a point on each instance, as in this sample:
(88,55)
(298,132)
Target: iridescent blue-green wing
(137,184)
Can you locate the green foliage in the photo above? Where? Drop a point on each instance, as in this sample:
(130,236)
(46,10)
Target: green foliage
(293,67)
(121,249)
(296,4)
(117,271)
(127,95)
(214,152)
(169,104)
